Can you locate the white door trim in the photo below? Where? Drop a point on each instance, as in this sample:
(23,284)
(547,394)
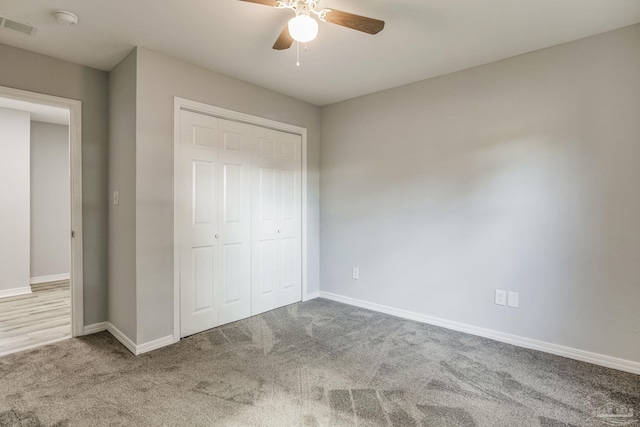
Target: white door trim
(198,107)
(75,163)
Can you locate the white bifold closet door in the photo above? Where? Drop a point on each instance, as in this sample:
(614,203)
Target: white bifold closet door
(276,272)
(214,209)
(238,216)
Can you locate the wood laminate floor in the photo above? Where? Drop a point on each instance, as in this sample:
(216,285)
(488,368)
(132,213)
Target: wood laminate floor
(39,318)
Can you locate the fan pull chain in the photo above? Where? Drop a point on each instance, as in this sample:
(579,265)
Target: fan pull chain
(298,52)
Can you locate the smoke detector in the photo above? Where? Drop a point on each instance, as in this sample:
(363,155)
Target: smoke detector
(66,18)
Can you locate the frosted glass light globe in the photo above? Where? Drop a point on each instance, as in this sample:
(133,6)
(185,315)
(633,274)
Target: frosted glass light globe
(303,28)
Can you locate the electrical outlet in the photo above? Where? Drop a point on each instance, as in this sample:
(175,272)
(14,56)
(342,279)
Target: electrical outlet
(116,198)
(356,273)
(501,297)
(514,300)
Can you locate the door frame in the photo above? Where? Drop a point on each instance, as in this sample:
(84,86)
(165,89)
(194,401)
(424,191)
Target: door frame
(180,104)
(75,184)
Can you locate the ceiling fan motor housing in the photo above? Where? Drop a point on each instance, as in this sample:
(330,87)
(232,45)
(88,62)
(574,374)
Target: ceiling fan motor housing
(302,7)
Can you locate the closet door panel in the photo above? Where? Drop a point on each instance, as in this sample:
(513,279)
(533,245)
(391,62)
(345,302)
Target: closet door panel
(197,212)
(290,218)
(288,255)
(276,225)
(266,193)
(231,273)
(203,270)
(234,221)
(264,221)
(289,208)
(264,276)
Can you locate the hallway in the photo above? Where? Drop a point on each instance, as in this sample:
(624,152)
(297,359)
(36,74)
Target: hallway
(39,318)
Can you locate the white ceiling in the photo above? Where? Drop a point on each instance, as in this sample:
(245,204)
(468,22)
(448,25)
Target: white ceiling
(422,38)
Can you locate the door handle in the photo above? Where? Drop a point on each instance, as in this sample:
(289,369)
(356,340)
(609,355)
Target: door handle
(278,231)
(216,236)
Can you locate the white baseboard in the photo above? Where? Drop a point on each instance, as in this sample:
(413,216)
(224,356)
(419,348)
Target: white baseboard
(154,345)
(15,292)
(312,295)
(95,328)
(126,341)
(51,278)
(558,350)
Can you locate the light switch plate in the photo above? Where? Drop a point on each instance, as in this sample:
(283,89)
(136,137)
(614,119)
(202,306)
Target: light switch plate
(356,273)
(501,297)
(514,299)
(116,198)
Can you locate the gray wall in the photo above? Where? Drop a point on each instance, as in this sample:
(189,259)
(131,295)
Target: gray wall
(39,73)
(519,175)
(160,78)
(15,206)
(50,200)
(122,178)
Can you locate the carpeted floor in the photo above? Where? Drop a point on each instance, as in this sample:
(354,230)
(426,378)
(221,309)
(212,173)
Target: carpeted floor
(318,363)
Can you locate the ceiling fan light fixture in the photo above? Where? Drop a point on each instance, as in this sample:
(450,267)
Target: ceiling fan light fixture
(303,28)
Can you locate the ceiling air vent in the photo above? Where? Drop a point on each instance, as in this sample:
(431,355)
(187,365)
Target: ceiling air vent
(20,27)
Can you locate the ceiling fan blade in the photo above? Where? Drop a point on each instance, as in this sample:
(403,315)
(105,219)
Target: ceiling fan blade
(356,22)
(273,3)
(284,40)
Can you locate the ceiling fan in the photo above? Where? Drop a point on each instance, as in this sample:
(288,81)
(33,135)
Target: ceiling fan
(303,28)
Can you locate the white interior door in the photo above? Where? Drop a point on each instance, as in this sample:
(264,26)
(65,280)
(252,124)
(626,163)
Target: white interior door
(197,213)
(289,232)
(276,220)
(234,221)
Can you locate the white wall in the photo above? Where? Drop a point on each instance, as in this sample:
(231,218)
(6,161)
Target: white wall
(33,72)
(50,200)
(15,206)
(122,178)
(520,175)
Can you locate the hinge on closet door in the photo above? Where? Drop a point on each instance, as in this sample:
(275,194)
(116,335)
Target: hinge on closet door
(73,234)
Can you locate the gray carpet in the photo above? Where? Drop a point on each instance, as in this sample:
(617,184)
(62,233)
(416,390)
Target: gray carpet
(318,363)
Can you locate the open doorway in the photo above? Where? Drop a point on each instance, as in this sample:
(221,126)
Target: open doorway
(41,226)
